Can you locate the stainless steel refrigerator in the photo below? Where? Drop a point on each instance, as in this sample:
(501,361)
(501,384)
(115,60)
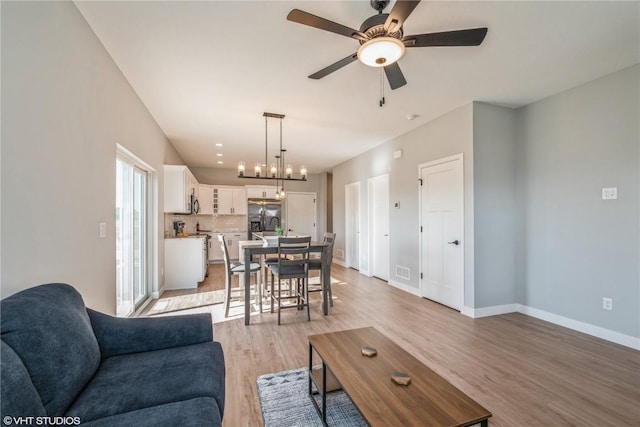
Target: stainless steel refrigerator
(263,215)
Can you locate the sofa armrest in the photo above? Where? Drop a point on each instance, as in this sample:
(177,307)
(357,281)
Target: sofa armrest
(118,336)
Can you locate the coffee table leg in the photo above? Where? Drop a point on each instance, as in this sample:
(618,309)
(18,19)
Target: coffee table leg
(324,393)
(310,369)
(484,423)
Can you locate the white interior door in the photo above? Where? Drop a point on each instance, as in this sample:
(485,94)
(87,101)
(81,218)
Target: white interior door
(301,214)
(441,242)
(379,208)
(352,225)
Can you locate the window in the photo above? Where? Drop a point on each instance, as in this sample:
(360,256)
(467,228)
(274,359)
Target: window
(133,244)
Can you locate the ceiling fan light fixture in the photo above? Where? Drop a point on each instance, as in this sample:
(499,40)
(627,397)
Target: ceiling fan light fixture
(381,51)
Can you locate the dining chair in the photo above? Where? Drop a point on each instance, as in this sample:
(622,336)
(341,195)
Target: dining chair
(316,264)
(293,263)
(237,268)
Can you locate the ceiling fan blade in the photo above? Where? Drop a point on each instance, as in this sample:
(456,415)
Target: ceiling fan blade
(400,12)
(395,76)
(305,18)
(334,67)
(472,37)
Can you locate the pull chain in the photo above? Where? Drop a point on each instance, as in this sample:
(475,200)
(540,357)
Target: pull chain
(381,86)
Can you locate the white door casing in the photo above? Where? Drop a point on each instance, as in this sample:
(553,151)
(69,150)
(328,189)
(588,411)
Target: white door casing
(352,225)
(301,214)
(442,230)
(379,226)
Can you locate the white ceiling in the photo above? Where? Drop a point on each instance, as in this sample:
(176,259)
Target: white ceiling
(207,70)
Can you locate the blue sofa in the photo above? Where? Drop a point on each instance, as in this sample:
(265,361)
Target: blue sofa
(61,359)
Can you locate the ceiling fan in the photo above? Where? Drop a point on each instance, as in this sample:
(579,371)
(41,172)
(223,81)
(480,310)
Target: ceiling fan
(382,42)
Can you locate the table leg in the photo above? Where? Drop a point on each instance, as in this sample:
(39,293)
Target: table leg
(484,423)
(247,287)
(326,279)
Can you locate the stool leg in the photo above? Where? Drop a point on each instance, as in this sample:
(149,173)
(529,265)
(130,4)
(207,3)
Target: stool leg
(279,302)
(306,297)
(259,289)
(272,292)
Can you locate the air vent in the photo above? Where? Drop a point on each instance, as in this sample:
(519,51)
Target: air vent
(403,272)
(339,253)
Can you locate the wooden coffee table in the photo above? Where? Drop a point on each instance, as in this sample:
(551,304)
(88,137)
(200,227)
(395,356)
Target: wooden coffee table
(429,400)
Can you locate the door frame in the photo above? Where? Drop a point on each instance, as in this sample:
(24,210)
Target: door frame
(371,252)
(349,263)
(421,281)
(315,210)
(154,273)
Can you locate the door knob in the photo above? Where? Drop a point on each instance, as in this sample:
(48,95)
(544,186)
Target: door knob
(455,242)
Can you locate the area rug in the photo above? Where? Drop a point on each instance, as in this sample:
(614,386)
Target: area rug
(185,302)
(285,402)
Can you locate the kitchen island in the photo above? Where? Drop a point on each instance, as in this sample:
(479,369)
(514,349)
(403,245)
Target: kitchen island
(185,261)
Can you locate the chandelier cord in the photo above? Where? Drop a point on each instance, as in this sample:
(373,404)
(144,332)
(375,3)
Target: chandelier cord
(382,100)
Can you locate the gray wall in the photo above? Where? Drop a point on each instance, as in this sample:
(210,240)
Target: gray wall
(65,105)
(537,232)
(445,136)
(577,247)
(494,186)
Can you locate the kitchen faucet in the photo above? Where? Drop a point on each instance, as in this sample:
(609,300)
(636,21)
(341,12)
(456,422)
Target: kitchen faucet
(276,218)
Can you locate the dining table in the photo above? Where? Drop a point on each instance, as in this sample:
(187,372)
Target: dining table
(250,248)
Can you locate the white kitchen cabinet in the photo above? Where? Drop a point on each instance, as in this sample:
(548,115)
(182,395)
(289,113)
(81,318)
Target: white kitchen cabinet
(215,251)
(185,262)
(179,184)
(229,200)
(261,191)
(205,198)
(232,239)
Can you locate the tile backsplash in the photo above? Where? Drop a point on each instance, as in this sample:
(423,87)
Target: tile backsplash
(224,223)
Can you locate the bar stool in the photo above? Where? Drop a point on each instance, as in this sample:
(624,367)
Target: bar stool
(316,264)
(237,269)
(293,263)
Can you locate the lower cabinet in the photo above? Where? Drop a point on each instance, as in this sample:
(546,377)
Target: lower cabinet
(232,239)
(184,263)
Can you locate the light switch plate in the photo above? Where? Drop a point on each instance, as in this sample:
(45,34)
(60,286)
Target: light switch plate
(103,230)
(610,193)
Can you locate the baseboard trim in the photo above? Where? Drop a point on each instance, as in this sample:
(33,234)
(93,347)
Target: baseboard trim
(158,294)
(489,311)
(576,325)
(340,262)
(404,287)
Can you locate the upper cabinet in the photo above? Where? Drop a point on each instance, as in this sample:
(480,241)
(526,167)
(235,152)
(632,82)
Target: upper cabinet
(205,198)
(179,185)
(229,200)
(261,191)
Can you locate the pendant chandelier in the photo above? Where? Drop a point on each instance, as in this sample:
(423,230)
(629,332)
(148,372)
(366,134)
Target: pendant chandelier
(278,170)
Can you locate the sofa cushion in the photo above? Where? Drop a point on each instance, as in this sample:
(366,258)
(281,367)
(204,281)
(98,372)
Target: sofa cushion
(19,396)
(136,381)
(202,411)
(49,329)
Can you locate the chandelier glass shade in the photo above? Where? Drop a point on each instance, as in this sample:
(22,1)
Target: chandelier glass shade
(381,51)
(276,170)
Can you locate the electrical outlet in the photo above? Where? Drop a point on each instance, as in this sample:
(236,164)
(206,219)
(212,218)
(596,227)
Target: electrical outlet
(607,303)
(103,230)
(610,193)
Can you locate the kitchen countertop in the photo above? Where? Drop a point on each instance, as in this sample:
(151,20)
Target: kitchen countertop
(189,236)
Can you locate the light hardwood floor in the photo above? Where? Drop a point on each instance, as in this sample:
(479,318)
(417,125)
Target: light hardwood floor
(527,372)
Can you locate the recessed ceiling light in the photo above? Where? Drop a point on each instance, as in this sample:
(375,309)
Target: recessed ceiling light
(219,154)
(218,145)
(220,162)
